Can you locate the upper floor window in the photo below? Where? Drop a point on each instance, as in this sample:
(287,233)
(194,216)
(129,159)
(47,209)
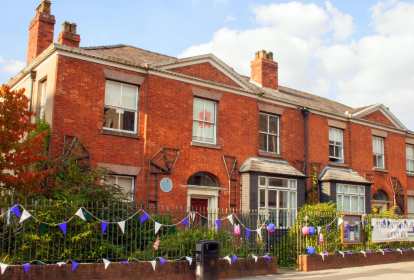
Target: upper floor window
(269,133)
(409,152)
(378,149)
(350,198)
(204,121)
(43,86)
(121,107)
(279,197)
(336,144)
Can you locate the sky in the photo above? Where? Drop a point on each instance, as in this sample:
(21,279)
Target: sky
(355,52)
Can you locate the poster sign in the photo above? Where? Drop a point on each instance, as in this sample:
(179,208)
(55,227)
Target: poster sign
(351,229)
(389,230)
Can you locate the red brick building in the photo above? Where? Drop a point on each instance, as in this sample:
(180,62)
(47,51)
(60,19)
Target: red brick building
(193,132)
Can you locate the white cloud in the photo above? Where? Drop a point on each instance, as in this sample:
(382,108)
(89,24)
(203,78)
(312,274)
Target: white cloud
(315,51)
(230,18)
(12,66)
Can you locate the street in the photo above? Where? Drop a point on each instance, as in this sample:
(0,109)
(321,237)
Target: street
(394,271)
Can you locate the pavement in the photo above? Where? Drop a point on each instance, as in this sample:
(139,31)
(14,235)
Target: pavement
(394,271)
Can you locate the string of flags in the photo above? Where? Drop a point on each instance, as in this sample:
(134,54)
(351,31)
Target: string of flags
(106,262)
(383,251)
(85,215)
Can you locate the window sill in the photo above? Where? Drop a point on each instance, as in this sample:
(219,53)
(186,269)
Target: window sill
(380,169)
(410,174)
(120,133)
(339,164)
(205,145)
(268,154)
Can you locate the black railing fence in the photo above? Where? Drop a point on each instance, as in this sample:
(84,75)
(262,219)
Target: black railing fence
(84,241)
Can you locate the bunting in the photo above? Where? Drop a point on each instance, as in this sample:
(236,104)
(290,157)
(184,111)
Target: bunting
(3,267)
(74,265)
(79,213)
(230,218)
(106,262)
(233,259)
(127,262)
(228,259)
(122,226)
(60,263)
(104,226)
(185,222)
(247,232)
(190,260)
(255,258)
(162,261)
(157,227)
(218,222)
(154,263)
(340,221)
(144,217)
(63,227)
(15,210)
(25,215)
(26,267)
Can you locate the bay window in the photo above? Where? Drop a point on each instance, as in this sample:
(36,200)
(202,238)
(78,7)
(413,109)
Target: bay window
(350,198)
(121,107)
(278,197)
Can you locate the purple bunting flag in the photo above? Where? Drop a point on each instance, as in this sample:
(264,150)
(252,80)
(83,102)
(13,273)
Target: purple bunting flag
(234,259)
(16,211)
(104,226)
(368,251)
(327,228)
(144,217)
(63,226)
(404,250)
(247,232)
(127,262)
(327,254)
(26,267)
(185,221)
(218,222)
(386,250)
(349,252)
(74,265)
(365,223)
(267,257)
(162,261)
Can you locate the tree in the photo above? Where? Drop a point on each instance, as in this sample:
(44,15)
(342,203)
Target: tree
(18,152)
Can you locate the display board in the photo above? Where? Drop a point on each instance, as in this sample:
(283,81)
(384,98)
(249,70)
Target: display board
(351,229)
(389,230)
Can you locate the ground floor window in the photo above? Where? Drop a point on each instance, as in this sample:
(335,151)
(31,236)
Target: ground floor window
(278,197)
(350,198)
(127,183)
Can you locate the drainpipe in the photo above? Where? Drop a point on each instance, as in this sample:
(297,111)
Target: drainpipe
(32,78)
(305,113)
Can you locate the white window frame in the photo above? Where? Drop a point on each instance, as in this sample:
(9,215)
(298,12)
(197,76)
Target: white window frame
(410,205)
(129,177)
(341,193)
(263,211)
(375,142)
(135,110)
(214,124)
(267,133)
(409,158)
(336,131)
(43,98)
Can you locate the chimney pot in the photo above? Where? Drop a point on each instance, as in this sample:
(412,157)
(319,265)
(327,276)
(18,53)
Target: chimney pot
(44,7)
(73,28)
(66,27)
(68,35)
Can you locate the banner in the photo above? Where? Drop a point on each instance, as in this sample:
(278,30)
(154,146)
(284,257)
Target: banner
(389,230)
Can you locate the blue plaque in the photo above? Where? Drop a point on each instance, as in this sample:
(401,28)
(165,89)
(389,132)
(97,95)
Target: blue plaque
(166,184)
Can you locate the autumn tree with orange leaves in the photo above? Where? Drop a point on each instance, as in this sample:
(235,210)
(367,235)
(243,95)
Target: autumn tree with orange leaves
(18,153)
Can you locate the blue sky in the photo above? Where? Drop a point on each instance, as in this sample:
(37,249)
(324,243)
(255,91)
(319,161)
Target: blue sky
(355,52)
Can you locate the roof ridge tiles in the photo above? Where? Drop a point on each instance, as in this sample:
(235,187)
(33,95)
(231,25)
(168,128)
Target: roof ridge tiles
(122,46)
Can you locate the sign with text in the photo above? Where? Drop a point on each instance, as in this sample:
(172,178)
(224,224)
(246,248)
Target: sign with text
(351,229)
(388,230)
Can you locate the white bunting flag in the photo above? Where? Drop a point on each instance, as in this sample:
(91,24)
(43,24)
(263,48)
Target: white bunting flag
(340,221)
(3,267)
(259,232)
(319,230)
(122,226)
(25,215)
(60,263)
(381,251)
(80,214)
(230,218)
(399,250)
(190,260)
(228,259)
(154,263)
(255,258)
(192,215)
(322,256)
(106,262)
(343,255)
(157,227)
(365,254)
(306,218)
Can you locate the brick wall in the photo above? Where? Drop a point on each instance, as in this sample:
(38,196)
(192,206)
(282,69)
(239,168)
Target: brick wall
(378,117)
(179,270)
(206,71)
(41,31)
(315,262)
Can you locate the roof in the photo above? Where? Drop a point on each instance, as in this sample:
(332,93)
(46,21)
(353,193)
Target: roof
(341,174)
(270,166)
(130,53)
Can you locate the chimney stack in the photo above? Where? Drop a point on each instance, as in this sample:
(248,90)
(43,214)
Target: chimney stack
(41,31)
(264,70)
(68,35)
